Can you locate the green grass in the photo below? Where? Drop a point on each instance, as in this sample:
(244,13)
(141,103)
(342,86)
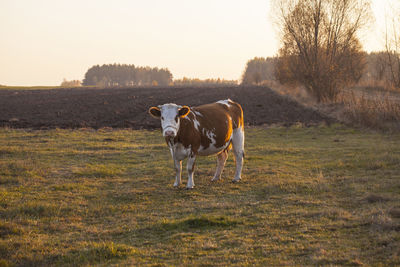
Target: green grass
(309,196)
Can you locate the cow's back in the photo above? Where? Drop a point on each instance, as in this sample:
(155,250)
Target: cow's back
(214,113)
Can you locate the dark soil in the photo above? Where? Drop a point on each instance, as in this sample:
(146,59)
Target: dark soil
(128,107)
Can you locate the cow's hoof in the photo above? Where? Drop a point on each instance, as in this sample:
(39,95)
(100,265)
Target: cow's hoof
(189,187)
(214,179)
(176,185)
(236,180)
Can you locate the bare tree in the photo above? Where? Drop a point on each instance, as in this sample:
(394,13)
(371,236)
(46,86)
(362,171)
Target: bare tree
(320,47)
(392,46)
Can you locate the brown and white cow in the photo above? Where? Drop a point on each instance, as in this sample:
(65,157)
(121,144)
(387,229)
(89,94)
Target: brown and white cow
(203,130)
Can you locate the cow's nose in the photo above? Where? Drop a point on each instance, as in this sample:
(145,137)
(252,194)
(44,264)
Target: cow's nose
(169,133)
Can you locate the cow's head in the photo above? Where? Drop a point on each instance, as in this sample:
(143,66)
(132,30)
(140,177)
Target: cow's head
(170,115)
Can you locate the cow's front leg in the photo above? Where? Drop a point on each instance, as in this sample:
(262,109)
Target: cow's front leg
(178,169)
(190,168)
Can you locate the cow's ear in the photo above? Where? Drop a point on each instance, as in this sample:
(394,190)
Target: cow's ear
(183,111)
(155,112)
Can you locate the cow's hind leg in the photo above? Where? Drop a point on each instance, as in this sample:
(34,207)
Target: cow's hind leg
(238,150)
(221,159)
(190,168)
(178,169)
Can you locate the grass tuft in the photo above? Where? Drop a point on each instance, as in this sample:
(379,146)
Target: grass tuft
(38,210)
(5,263)
(99,171)
(97,253)
(381,221)
(8,229)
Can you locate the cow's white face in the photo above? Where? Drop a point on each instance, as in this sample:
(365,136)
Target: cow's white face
(170,115)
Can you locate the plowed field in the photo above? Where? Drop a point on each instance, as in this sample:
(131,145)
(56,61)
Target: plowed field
(127,107)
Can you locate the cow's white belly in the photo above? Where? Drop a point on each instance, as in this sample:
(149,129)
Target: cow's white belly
(179,152)
(211,149)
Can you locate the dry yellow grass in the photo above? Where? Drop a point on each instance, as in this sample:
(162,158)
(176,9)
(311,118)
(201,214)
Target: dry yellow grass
(366,107)
(376,110)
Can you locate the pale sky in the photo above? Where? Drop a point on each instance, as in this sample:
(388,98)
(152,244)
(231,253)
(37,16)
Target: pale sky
(44,41)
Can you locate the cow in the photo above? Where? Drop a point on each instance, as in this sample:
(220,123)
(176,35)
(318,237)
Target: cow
(202,131)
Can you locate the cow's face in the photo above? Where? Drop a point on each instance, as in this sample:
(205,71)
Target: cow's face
(170,115)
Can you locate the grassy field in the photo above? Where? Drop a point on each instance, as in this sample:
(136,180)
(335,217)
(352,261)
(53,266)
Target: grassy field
(309,196)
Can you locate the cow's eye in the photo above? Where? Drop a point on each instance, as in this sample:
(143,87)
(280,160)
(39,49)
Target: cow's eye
(162,118)
(176,118)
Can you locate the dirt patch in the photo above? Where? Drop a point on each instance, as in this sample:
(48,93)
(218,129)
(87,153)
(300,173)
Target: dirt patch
(127,108)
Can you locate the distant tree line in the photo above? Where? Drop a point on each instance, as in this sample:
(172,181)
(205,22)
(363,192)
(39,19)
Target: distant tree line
(206,82)
(258,70)
(72,83)
(374,68)
(117,75)
(382,68)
